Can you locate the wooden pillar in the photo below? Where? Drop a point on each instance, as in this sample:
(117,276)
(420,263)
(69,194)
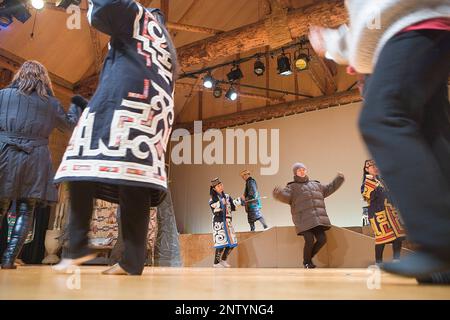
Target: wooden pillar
(165,8)
(200,105)
(238,88)
(267,74)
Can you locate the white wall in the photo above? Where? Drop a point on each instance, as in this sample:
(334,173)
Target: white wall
(327,141)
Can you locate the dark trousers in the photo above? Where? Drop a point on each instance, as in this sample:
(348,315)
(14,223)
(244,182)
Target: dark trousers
(222,254)
(405,123)
(312,247)
(261,220)
(396,247)
(134,217)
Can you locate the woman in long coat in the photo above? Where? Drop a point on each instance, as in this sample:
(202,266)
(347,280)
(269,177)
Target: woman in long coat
(28,114)
(117,151)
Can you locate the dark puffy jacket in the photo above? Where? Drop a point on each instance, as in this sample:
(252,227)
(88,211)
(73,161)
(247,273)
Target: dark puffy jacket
(26,122)
(306,198)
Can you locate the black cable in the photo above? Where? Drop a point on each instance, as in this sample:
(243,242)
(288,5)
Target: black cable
(352,86)
(266,89)
(34,24)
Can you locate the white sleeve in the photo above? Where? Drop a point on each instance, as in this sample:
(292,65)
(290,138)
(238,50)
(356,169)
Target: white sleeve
(336,44)
(237,202)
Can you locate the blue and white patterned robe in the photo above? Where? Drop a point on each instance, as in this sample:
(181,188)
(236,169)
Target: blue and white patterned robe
(122,135)
(223,231)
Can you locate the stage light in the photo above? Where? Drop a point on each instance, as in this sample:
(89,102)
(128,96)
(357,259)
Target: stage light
(208,81)
(235,74)
(5,20)
(259,67)
(66,3)
(284,65)
(13,8)
(231,94)
(37,4)
(302,59)
(217,92)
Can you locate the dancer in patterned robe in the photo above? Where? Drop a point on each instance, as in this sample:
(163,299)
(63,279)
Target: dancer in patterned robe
(117,151)
(222,206)
(383,217)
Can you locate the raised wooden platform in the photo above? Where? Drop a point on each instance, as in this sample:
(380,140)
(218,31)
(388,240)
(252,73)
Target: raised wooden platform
(280,247)
(40,282)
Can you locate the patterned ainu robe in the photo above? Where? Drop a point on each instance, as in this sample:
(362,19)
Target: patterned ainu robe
(122,135)
(223,231)
(383,217)
(252,200)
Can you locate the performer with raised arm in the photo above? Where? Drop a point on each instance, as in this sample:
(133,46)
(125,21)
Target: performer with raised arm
(307,200)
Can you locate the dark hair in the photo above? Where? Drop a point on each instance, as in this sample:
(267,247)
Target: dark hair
(33,76)
(214,194)
(365,172)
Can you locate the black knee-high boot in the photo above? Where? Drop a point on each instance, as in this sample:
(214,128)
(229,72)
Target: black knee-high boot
(24,220)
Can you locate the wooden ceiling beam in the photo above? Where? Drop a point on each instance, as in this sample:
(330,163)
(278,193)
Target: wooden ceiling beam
(276,111)
(330,13)
(322,75)
(191,28)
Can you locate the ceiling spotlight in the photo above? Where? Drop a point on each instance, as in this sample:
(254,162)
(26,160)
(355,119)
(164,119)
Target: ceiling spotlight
(208,81)
(259,67)
(284,65)
(301,60)
(67,3)
(5,20)
(37,4)
(13,8)
(217,92)
(235,74)
(231,94)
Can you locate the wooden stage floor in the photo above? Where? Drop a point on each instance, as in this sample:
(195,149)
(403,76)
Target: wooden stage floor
(40,282)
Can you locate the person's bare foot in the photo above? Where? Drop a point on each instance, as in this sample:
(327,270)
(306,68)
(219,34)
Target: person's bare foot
(115,270)
(66,264)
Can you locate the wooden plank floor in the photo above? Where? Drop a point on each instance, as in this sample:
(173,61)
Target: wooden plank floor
(40,282)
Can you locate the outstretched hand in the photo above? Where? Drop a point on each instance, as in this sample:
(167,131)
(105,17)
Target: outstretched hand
(317,40)
(277,190)
(341,175)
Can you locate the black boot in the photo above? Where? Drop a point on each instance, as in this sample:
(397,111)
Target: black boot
(439,278)
(24,220)
(309,265)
